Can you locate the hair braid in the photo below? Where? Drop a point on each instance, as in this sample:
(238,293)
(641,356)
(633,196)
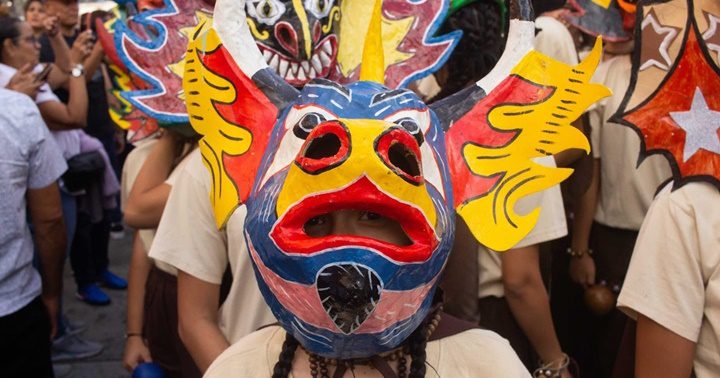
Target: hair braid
(416,344)
(479,48)
(284,365)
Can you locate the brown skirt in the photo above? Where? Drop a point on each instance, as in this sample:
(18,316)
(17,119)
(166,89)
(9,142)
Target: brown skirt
(160,327)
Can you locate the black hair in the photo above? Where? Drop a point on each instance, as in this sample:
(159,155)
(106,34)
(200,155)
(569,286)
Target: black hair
(416,344)
(29,2)
(88,20)
(479,48)
(542,6)
(284,365)
(9,29)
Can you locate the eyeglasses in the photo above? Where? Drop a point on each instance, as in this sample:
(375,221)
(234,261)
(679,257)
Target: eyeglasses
(31,39)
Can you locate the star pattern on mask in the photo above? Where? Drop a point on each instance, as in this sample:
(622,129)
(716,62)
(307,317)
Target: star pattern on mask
(701,125)
(657,38)
(712,34)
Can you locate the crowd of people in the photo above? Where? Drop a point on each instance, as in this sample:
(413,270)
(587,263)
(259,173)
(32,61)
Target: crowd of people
(618,277)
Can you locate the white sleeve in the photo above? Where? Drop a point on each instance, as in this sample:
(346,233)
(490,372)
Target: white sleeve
(187,237)
(665,280)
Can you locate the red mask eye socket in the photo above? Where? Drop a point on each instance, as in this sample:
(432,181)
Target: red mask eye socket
(400,152)
(326,147)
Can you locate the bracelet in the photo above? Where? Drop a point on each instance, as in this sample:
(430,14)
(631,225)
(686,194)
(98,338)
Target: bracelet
(131,334)
(574,253)
(547,370)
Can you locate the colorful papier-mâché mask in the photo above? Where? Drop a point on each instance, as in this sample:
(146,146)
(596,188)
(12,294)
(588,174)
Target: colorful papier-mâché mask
(289,156)
(673,102)
(597,18)
(299,39)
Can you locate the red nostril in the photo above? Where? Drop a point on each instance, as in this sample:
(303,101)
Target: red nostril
(400,152)
(327,146)
(287,37)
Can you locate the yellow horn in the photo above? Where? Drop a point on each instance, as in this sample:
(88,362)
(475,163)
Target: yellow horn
(373,59)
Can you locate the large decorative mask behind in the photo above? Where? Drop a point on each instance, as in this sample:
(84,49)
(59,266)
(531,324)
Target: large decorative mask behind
(673,102)
(290,155)
(299,39)
(597,17)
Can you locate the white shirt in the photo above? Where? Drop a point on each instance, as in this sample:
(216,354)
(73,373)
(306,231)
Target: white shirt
(626,189)
(674,274)
(473,353)
(188,239)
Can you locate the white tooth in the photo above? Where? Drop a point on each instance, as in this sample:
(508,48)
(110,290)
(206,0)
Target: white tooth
(305,65)
(274,62)
(290,76)
(283,67)
(327,47)
(325,59)
(301,75)
(267,55)
(313,74)
(316,63)
(294,67)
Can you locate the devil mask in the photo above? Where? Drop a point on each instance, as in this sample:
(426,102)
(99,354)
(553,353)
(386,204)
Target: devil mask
(299,40)
(673,102)
(293,157)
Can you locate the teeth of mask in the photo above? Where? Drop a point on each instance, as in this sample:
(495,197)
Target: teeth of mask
(317,65)
(327,48)
(325,59)
(274,62)
(283,67)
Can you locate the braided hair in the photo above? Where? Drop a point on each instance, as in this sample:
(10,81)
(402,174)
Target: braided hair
(416,344)
(479,48)
(284,365)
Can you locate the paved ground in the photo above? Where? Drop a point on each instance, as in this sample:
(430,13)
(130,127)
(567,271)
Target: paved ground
(104,324)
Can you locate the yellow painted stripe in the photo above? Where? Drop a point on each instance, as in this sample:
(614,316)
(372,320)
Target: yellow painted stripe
(300,10)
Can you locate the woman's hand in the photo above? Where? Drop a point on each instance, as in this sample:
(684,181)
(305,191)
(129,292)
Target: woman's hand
(582,270)
(136,352)
(24,82)
(50,26)
(82,47)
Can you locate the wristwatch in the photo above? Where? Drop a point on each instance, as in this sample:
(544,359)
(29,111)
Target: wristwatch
(77,70)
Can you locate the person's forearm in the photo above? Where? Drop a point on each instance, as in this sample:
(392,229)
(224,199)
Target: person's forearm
(585,211)
(140,266)
(62,64)
(51,243)
(528,300)
(148,195)
(78,102)
(198,328)
(531,309)
(93,61)
(203,340)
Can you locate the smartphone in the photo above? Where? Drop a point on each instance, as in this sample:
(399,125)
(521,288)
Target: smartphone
(43,75)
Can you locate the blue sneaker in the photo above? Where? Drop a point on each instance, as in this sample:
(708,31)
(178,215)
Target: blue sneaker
(112,281)
(91,294)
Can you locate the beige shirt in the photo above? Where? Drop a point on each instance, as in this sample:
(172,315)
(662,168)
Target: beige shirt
(551,225)
(626,189)
(188,239)
(554,40)
(473,353)
(674,274)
